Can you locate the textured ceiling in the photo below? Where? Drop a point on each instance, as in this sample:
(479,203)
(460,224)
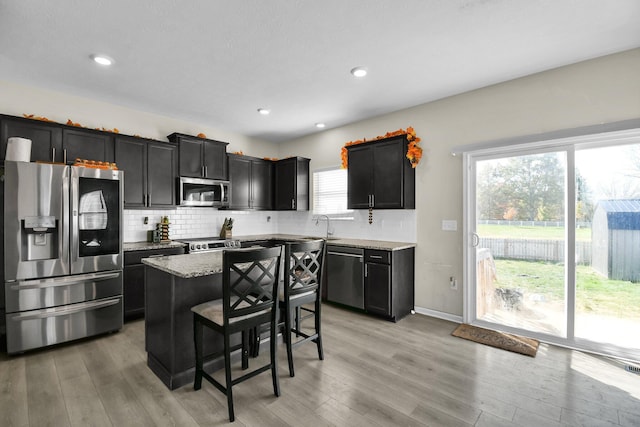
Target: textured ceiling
(217,62)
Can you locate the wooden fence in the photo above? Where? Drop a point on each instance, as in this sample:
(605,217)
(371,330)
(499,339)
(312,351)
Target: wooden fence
(534,249)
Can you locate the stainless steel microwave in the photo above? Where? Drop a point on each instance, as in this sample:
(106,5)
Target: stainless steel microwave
(203,192)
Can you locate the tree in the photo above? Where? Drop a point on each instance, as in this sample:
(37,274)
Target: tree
(529,188)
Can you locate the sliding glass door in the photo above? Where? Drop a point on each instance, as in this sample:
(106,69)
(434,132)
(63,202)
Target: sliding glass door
(607,306)
(520,259)
(554,242)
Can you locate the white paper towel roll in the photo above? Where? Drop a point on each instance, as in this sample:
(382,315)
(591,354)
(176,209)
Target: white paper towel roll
(18,149)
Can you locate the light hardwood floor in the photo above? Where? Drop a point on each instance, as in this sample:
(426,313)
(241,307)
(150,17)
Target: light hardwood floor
(375,373)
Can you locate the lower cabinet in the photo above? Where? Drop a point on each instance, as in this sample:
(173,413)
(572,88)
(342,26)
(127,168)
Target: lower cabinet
(385,288)
(133,287)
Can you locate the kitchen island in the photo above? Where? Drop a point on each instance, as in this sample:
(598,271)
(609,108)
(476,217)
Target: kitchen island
(174,284)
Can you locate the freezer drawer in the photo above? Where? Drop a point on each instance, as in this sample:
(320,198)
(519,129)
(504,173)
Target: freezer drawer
(39,328)
(36,294)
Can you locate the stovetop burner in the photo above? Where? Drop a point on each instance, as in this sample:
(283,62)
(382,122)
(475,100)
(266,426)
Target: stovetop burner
(209,244)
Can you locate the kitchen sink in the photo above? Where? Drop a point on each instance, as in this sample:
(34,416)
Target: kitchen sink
(316,238)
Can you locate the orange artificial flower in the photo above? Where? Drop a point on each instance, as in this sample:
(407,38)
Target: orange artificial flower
(414,151)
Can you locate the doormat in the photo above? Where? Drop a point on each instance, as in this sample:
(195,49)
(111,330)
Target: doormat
(509,342)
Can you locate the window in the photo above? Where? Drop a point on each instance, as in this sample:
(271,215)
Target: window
(330,192)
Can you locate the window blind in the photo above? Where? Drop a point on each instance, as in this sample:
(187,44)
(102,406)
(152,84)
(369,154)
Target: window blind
(330,192)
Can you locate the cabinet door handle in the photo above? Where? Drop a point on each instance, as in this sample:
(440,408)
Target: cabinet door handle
(366,270)
(293,204)
(64,156)
(202,171)
(375,256)
(206,171)
(373,201)
(53,154)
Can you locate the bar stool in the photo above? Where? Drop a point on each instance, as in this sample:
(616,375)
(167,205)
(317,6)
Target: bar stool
(301,288)
(249,298)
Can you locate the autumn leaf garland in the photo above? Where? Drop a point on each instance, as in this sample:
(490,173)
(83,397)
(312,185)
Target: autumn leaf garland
(414,151)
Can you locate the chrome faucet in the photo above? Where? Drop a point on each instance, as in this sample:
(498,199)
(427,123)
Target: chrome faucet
(329,232)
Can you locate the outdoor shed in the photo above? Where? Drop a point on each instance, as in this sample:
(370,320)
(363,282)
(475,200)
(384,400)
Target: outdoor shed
(615,239)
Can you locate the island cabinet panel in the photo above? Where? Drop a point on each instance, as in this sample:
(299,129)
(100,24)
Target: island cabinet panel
(169,325)
(87,144)
(46,139)
(151,168)
(380,176)
(292,184)
(133,286)
(201,157)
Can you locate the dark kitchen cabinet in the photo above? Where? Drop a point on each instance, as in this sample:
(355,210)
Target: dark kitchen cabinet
(201,157)
(133,286)
(151,168)
(292,184)
(86,144)
(389,282)
(251,182)
(380,175)
(45,138)
(53,142)
(385,288)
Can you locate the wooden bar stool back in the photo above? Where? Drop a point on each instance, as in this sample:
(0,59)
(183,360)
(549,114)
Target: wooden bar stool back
(301,293)
(249,298)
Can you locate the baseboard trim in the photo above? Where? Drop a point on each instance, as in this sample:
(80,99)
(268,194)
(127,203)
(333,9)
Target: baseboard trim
(439,314)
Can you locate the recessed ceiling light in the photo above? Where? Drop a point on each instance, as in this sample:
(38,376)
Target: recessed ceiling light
(263,111)
(359,71)
(102,60)
(320,125)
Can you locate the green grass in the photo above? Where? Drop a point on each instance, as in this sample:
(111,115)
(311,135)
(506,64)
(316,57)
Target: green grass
(529,232)
(594,293)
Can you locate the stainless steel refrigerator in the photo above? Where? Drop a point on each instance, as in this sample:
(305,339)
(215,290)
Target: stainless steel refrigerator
(62,251)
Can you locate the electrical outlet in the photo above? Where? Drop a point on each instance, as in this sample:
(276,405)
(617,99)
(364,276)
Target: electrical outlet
(453,283)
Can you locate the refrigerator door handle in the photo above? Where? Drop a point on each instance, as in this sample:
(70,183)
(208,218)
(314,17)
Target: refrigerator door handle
(55,312)
(63,281)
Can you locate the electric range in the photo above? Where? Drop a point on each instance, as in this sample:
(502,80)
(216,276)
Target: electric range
(209,244)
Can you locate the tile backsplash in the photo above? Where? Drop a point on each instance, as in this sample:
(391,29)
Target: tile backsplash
(392,225)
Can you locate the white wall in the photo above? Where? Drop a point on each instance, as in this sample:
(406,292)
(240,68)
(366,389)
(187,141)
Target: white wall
(598,91)
(16,100)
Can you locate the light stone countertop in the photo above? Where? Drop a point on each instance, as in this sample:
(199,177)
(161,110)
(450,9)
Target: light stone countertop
(188,266)
(358,243)
(146,246)
(203,264)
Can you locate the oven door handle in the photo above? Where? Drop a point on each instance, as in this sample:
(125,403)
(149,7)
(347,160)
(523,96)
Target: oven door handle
(63,311)
(63,281)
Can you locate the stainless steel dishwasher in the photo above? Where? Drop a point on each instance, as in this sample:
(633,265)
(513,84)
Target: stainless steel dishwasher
(345,275)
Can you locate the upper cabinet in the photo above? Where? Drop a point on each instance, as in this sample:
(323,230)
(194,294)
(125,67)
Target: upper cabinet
(251,182)
(53,142)
(380,175)
(201,157)
(46,139)
(292,184)
(151,168)
(86,144)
